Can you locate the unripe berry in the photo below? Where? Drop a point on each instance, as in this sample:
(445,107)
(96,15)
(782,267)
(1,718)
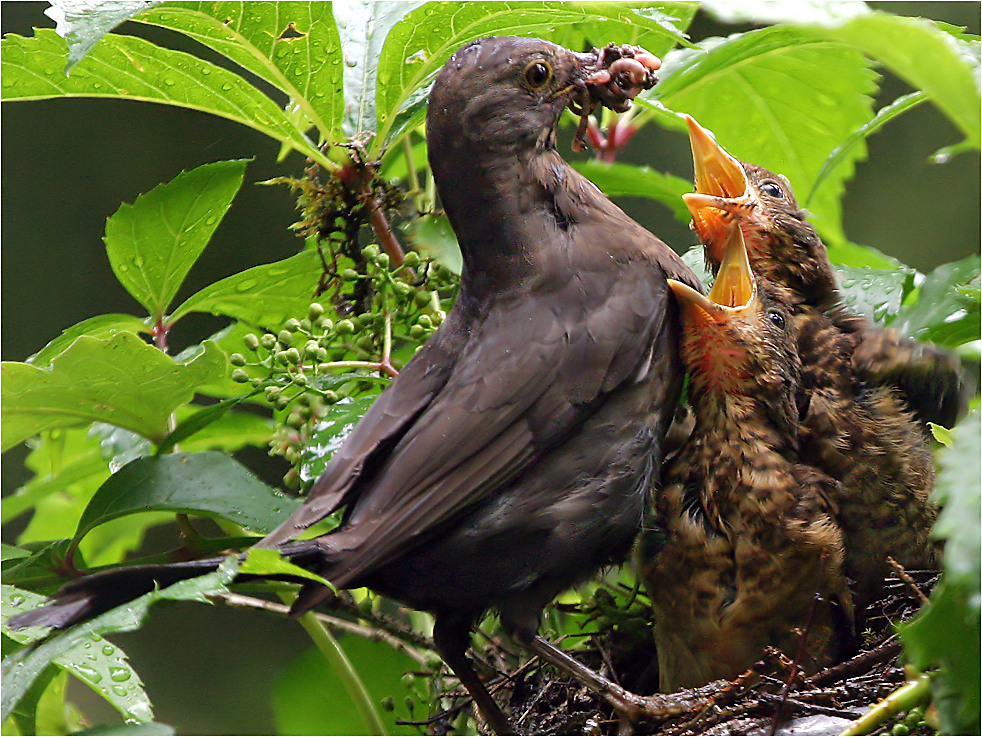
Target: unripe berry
(268,341)
(284,336)
(345,327)
(237,359)
(240,376)
(251,341)
(293,325)
(315,311)
(349,275)
(411,259)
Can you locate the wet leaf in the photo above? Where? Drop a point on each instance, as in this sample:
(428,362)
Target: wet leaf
(82,23)
(100,665)
(210,483)
(153,243)
(624,180)
(120,380)
(262,295)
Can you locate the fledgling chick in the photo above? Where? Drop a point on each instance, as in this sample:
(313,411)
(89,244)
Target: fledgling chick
(741,548)
(786,250)
(857,380)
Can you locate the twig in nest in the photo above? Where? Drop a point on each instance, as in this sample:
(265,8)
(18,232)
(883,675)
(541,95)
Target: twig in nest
(905,577)
(859,664)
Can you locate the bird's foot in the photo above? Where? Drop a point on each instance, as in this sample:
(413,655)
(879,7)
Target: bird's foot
(631,706)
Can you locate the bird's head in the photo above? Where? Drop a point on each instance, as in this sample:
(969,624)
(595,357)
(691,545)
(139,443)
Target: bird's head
(782,245)
(738,339)
(504,92)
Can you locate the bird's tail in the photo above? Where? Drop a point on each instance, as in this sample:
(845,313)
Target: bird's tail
(92,595)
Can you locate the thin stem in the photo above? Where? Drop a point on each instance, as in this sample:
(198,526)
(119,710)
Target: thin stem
(369,633)
(336,657)
(372,365)
(411,177)
(383,231)
(386,362)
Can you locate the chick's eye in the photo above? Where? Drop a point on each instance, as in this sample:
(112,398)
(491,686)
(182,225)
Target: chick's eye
(537,74)
(772,189)
(776,318)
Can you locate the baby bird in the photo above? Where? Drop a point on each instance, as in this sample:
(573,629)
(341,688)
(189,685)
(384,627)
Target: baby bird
(855,425)
(786,250)
(741,548)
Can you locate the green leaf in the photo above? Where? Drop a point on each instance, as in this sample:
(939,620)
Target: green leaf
(267,562)
(23,667)
(197,422)
(153,243)
(262,295)
(330,433)
(904,45)
(943,313)
(779,97)
(883,116)
(82,24)
(947,633)
(130,68)
(432,235)
(875,293)
(100,326)
(783,11)
(101,666)
(364,26)
(66,462)
(210,483)
(626,180)
(292,45)
(297,694)
(120,380)
(419,44)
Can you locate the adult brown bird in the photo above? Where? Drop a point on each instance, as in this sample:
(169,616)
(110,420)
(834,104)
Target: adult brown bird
(741,548)
(510,458)
(854,425)
(786,249)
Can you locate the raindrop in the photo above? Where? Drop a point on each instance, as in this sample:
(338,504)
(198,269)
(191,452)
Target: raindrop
(119,690)
(120,675)
(91,674)
(108,650)
(169,82)
(16,600)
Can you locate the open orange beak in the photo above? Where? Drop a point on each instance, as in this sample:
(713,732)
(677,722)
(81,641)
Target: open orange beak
(721,187)
(734,293)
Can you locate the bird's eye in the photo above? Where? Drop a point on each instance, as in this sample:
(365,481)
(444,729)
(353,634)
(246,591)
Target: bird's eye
(776,318)
(772,189)
(537,74)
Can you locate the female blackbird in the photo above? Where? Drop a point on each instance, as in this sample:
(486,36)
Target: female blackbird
(742,547)
(787,250)
(510,458)
(854,426)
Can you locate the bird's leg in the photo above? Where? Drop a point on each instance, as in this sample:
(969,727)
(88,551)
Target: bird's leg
(450,637)
(630,705)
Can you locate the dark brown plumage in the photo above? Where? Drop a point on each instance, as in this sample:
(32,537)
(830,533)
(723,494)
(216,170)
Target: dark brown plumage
(509,460)
(855,427)
(787,250)
(742,546)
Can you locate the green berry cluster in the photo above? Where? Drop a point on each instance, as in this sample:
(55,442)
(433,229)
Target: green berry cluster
(336,351)
(913,722)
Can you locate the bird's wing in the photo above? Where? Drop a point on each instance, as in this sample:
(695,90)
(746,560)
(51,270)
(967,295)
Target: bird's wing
(529,373)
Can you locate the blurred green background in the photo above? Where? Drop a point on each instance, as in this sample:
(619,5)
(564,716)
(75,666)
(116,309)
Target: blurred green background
(68,164)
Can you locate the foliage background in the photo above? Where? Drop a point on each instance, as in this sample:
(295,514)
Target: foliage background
(67,164)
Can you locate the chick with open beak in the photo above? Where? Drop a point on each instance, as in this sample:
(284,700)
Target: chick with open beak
(741,549)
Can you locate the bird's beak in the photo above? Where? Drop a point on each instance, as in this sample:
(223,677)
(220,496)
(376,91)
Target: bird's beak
(734,293)
(722,188)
